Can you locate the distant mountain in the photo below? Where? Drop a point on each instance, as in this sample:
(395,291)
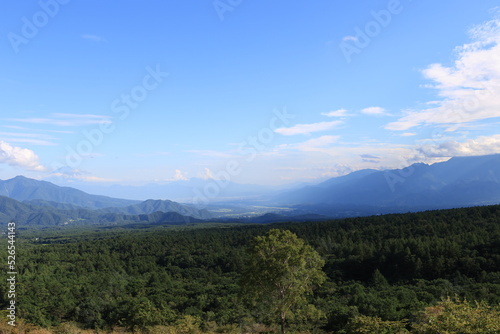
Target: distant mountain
(460,181)
(24,189)
(33,202)
(185,191)
(346,178)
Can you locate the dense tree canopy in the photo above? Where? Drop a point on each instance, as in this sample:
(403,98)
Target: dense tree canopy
(383,268)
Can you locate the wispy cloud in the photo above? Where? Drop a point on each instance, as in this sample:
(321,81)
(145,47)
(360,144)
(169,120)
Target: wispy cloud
(15,127)
(374,111)
(30,141)
(316,144)
(350,38)
(19,157)
(62,119)
(28,138)
(308,128)
(371,158)
(73,175)
(335,113)
(470,88)
(59,131)
(311,145)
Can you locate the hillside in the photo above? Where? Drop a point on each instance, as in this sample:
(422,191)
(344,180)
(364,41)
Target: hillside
(44,214)
(150,206)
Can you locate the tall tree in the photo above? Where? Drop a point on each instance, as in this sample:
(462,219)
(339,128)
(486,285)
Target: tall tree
(282,270)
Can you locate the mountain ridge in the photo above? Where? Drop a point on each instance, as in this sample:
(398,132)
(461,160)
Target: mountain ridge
(457,182)
(34,202)
(460,181)
(26,214)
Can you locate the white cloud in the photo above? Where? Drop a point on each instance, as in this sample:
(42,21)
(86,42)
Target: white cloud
(335,113)
(317,144)
(307,128)
(479,146)
(408,134)
(68,174)
(207,175)
(180,176)
(374,111)
(350,38)
(311,161)
(19,157)
(469,88)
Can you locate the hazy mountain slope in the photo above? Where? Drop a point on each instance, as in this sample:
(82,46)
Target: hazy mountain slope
(347,178)
(460,181)
(181,190)
(24,189)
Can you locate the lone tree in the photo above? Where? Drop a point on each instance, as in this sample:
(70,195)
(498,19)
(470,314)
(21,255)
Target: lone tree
(282,270)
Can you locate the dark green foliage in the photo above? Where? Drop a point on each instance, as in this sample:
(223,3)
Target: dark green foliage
(385,267)
(152,206)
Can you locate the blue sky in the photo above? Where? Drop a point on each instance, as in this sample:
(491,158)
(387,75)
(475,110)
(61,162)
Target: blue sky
(277,92)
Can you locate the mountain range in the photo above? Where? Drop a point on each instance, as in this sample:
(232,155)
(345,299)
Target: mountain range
(178,190)
(34,202)
(458,182)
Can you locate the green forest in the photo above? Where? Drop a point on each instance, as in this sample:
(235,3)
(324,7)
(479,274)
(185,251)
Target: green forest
(426,272)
